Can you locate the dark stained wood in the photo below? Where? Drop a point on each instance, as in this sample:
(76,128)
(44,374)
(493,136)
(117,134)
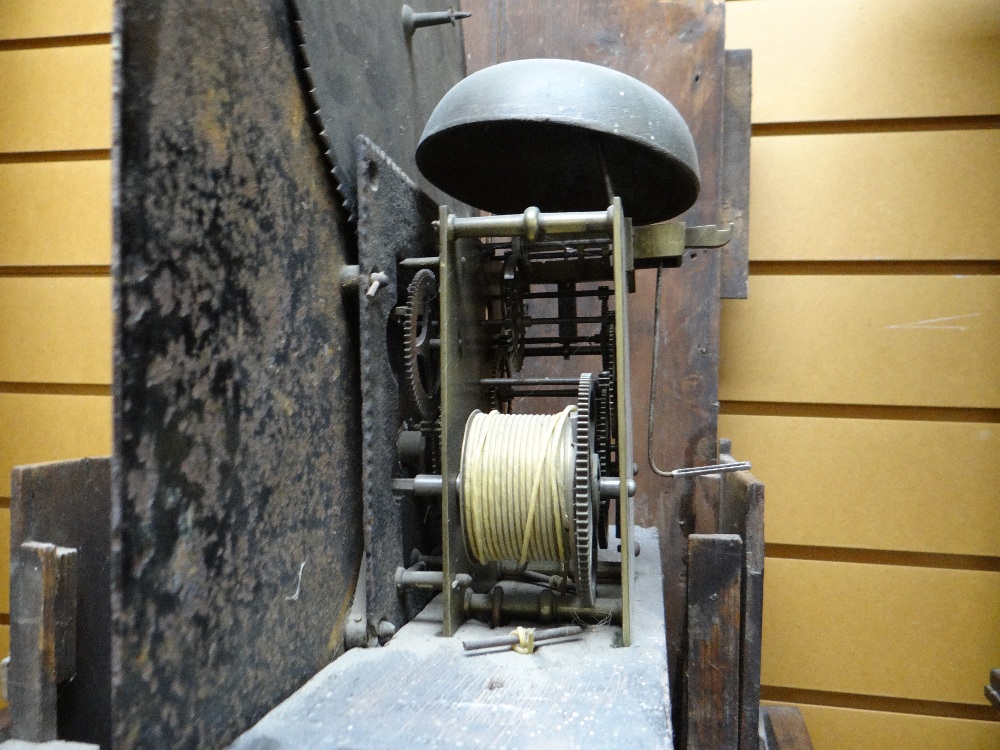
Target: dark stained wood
(68,503)
(42,632)
(736,174)
(742,512)
(784,728)
(715,562)
(678,49)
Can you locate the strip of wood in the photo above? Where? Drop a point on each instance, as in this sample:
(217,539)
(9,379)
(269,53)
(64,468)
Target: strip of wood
(58,389)
(36,428)
(881,705)
(55,330)
(77,40)
(874,484)
(55,214)
(898,125)
(869,60)
(850,267)
(35,157)
(876,197)
(914,633)
(64,271)
(25,19)
(859,411)
(56,99)
(884,557)
(898,341)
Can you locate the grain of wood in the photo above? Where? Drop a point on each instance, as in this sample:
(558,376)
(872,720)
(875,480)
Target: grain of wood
(894,340)
(55,213)
(896,631)
(56,98)
(864,59)
(39,427)
(874,484)
(876,196)
(56,330)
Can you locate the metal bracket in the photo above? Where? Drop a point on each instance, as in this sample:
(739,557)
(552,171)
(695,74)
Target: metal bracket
(664,244)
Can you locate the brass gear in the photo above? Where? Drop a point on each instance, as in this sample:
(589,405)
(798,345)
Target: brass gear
(585,489)
(422,363)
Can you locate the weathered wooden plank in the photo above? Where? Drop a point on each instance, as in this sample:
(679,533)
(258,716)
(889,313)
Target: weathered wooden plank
(28,19)
(47,427)
(43,588)
(735,176)
(835,727)
(677,48)
(885,630)
(887,484)
(849,60)
(925,195)
(57,98)
(713,660)
(742,512)
(785,729)
(56,330)
(68,503)
(55,213)
(895,340)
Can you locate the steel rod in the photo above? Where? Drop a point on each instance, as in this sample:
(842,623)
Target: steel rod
(510,640)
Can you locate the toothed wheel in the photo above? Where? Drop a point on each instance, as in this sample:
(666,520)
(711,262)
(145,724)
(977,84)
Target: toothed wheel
(422,362)
(584,494)
(515,286)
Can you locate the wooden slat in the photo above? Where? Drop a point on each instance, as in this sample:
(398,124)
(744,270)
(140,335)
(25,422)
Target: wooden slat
(36,428)
(56,99)
(932,195)
(55,213)
(920,633)
(55,330)
(908,340)
(29,19)
(715,564)
(873,483)
(833,728)
(861,59)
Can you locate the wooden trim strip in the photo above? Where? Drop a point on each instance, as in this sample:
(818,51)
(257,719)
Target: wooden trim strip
(859,411)
(47,42)
(874,267)
(5,502)
(57,389)
(884,557)
(34,157)
(4,618)
(898,125)
(880,703)
(67,271)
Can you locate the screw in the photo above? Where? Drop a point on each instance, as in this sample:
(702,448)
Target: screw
(413,20)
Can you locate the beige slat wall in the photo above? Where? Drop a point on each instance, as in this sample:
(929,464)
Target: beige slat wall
(862,375)
(55,240)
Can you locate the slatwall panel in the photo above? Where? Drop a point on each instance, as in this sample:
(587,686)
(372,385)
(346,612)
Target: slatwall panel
(55,241)
(862,375)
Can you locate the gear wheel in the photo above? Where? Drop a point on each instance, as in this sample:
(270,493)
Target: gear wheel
(422,363)
(515,286)
(584,492)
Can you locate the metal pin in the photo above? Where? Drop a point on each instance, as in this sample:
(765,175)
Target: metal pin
(413,20)
(378,279)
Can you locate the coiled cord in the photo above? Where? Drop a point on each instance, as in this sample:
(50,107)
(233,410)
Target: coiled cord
(515,469)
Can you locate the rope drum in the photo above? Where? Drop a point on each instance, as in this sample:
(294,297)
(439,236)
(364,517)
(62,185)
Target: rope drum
(517,486)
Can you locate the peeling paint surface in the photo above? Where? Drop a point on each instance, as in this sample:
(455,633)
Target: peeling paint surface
(236,475)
